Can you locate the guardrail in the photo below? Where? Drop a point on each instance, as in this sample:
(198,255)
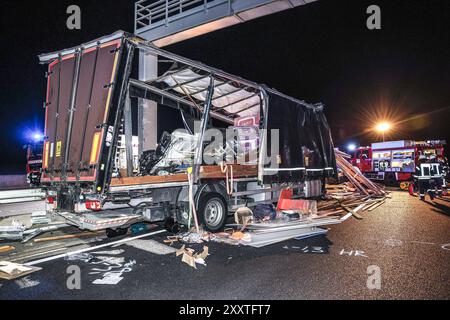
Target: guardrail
(152,14)
(13,181)
(22,195)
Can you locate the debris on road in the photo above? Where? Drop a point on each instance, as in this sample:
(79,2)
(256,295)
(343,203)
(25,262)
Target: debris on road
(191,258)
(6,249)
(351,198)
(10,270)
(40,217)
(27,282)
(151,246)
(13,232)
(70,236)
(358,181)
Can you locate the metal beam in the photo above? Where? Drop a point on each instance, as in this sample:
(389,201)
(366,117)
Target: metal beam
(147,110)
(169,21)
(128,126)
(145,86)
(72,107)
(203,124)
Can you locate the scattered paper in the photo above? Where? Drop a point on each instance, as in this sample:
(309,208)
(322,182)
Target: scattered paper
(191,258)
(151,246)
(26,282)
(109,278)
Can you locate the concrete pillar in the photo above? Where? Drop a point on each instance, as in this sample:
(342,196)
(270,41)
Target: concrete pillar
(147,110)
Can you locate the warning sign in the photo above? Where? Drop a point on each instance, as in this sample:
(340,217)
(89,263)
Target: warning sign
(58,149)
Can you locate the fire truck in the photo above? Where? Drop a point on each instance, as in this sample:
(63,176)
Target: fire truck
(394,162)
(34,163)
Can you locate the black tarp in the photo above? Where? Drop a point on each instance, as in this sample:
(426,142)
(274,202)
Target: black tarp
(305,144)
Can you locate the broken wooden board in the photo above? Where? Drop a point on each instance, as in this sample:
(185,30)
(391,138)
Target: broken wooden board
(11,271)
(353,212)
(4,249)
(70,236)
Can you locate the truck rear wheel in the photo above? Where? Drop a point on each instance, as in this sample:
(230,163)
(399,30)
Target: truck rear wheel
(212,212)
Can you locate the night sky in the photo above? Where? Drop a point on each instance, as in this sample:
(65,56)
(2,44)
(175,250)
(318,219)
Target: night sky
(321,52)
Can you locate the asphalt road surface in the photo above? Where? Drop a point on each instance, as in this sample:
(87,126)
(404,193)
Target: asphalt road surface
(408,242)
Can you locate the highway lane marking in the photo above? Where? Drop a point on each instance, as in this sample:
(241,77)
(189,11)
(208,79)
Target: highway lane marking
(423,242)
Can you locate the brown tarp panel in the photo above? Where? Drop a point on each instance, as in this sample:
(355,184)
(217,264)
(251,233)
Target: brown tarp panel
(97,70)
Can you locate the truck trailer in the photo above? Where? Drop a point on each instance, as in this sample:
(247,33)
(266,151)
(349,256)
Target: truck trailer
(241,142)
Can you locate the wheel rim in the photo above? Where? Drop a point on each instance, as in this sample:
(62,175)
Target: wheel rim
(213,212)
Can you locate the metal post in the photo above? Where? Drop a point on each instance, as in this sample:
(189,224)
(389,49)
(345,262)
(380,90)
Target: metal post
(72,106)
(167,12)
(263,135)
(204,122)
(147,109)
(128,123)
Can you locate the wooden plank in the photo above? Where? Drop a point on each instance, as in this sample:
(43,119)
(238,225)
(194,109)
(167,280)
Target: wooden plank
(6,249)
(239,171)
(206,172)
(357,216)
(130,181)
(70,236)
(379,204)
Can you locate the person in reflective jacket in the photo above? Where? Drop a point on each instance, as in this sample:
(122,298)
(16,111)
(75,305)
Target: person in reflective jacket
(423,175)
(439,180)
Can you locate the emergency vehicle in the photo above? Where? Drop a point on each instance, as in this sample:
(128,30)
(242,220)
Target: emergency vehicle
(394,162)
(34,163)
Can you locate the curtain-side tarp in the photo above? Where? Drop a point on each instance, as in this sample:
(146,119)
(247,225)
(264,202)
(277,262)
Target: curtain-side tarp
(304,140)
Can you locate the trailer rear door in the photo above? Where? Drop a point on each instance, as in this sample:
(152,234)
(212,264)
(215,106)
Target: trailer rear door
(79,92)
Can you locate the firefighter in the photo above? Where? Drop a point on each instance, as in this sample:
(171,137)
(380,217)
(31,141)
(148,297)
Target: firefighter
(423,177)
(439,176)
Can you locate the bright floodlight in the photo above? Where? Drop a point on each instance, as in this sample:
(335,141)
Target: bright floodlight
(383,126)
(351,147)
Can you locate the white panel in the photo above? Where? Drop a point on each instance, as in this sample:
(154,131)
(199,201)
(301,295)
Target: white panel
(388,145)
(220,90)
(148,69)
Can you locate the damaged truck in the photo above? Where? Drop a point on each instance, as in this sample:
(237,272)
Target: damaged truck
(240,142)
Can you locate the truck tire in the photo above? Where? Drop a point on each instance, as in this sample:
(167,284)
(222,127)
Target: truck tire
(212,212)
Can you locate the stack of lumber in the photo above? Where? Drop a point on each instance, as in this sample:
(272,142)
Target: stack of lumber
(354,196)
(349,204)
(356,178)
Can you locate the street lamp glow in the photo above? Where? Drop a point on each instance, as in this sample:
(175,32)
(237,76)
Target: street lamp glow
(383,127)
(351,147)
